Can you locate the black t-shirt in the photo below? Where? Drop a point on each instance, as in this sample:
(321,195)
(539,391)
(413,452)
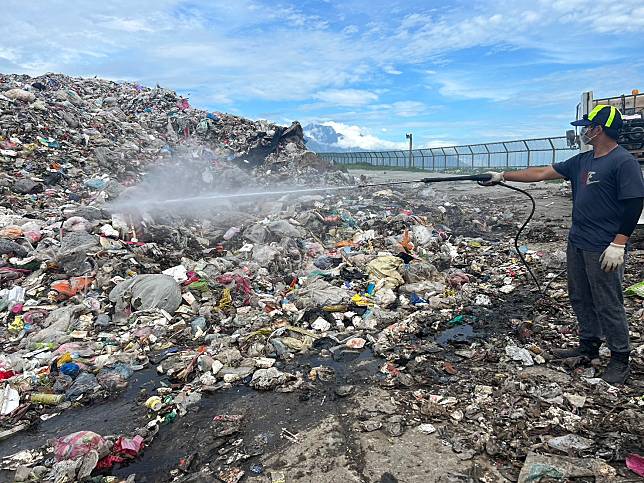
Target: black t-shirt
(598,187)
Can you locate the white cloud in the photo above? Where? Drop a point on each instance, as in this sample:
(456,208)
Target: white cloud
(563,87)
(360,138)
(456,88)
(353,137)
(127,24)
(408,108)
(8,54)
(347,97)
(390,69)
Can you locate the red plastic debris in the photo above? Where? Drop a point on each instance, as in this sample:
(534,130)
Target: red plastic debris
(635,463)
(77,444)
(128,446)
(192,277)
(6,375)
(109,461)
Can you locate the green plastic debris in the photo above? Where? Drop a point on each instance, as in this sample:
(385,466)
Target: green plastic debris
(458,320)
(201,286)
(462,319)
(637,289)
(45,345)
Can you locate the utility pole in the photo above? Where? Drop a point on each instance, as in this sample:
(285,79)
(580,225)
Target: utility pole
(411,159)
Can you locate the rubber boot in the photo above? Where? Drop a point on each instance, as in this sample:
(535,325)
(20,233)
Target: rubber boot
(588,348)
(618,368)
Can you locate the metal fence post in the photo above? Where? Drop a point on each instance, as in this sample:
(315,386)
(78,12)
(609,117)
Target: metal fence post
(507,156)
(528,148)
(554,152)
(489,156)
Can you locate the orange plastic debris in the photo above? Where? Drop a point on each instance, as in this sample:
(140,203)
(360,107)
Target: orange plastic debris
(11,232)
(344,243)
(406,241)
(72,286)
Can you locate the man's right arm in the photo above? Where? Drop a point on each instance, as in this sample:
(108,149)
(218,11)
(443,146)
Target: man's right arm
(531,175)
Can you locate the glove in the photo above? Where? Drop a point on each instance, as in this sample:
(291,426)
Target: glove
(613,257)
(495,179)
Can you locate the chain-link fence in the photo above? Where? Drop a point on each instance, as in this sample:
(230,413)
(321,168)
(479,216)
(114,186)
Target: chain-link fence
(507,154)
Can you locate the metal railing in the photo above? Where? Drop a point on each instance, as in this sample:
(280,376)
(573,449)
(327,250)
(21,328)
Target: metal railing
(506,154)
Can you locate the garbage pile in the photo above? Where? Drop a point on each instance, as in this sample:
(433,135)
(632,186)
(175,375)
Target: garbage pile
(57,128)
(97,287)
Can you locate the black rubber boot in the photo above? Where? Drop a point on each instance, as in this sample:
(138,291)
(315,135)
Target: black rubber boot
(588,348)
(618,368)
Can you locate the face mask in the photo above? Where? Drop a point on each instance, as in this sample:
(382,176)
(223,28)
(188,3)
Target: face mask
(584,135)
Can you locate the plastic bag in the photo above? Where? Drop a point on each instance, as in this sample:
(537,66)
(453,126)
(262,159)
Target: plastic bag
(11,232)
(20,95)
(386,269)
(9,400)
(114,378)
(635,463)
(85,383)
(146,292)
(128,446)
(423,235)
(77,223)
(320,293)
(264,255)
(79,444)
(72,286)
(283,228)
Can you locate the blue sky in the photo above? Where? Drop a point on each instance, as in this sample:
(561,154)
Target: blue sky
(450,72)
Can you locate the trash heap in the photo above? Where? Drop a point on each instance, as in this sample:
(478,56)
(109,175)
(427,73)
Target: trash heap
(83,133)
(99,288)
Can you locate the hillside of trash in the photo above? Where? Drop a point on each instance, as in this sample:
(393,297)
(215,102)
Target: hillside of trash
(204,339)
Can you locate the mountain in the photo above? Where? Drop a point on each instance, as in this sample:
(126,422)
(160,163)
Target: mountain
(320,138)
(332,136)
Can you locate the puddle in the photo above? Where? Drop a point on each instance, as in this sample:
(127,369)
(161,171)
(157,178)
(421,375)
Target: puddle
(265,414)
(461,334)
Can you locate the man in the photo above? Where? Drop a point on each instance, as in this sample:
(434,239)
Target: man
(608,191)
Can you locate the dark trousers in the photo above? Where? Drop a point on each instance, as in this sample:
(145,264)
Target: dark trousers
(597,299)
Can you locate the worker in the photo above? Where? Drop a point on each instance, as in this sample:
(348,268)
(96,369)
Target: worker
(607,194)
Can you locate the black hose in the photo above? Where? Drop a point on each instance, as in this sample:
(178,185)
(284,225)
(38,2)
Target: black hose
(516,237)
(518,234)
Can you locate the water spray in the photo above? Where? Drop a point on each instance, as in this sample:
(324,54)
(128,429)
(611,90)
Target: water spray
(226,196)
(480,178)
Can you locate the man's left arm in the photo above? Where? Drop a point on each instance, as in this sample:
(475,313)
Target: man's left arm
(632,211)
(613,256)
(631,195)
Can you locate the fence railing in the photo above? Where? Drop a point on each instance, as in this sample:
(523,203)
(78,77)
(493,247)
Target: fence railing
(507,154)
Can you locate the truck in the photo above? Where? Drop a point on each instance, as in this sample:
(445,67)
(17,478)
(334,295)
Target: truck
(632,134)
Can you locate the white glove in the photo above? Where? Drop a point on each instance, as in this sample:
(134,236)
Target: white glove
(612,257)
(495,179)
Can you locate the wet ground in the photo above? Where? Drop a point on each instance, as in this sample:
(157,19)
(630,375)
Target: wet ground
(265,414)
